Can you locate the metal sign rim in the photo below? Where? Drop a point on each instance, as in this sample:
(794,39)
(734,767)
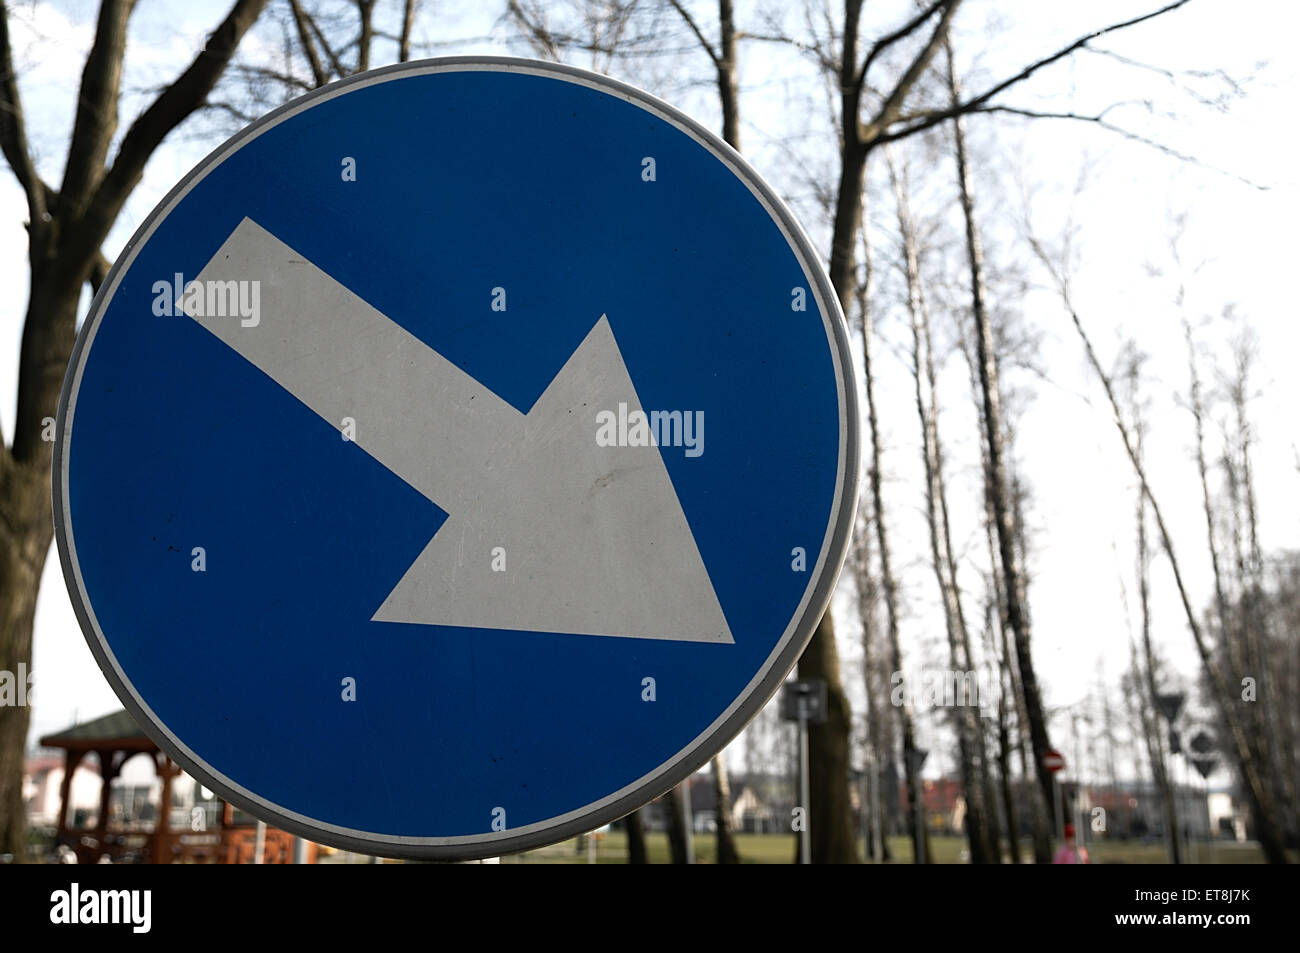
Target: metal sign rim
(698,751)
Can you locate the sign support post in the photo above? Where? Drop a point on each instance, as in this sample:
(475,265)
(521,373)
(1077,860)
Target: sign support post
(1054,762)
(804,702)
(688,819)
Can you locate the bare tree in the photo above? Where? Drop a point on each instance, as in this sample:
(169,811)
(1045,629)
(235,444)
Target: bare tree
(1041,826)
(1248,763)
(722,54)
(1004,522)
(879,739)
(606,30)
(1254,624)
(1132,370)
(983,844)
(1004,724)
(889,584)
(66,227)
(872,116)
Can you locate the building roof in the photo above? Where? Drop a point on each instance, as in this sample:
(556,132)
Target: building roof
(42,762)
(115,730)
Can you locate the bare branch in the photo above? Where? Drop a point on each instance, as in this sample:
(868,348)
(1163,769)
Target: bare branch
(1176,78)
(889,39)
(543,40)
(13,134)
(893,104)
(301,22)
(1099,119)
(265,72)
(99,272)
(828,64)
(932,119)
(230,109)
(169,110)
(408,20)
(699,34)
(330,54)
(96,118)
(365,14)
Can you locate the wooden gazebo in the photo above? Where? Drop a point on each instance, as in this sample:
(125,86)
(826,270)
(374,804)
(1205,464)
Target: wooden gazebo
(116,738)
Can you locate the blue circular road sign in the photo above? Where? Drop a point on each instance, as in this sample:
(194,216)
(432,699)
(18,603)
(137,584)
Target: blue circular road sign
(457,458)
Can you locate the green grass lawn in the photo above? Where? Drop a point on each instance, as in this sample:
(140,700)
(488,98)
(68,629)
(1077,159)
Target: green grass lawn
(780,849)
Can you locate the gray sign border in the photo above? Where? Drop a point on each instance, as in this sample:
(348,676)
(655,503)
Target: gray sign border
(817,595)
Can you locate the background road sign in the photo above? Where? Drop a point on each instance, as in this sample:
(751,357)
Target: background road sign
(1171,704)
(351,494)
(806,695)
(1054,761)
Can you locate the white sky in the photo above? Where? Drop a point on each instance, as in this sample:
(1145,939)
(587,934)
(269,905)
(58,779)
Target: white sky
(1081,483)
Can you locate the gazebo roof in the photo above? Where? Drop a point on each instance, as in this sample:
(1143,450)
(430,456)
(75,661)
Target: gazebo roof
(115,730)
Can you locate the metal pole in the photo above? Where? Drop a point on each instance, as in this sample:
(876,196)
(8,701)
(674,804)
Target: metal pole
(1214,827)
(865,822)
(299,851)
(1060,806)
(877,805)
(1078,784)
(688,820)
(918,848)
(805,836)
(259,842)
(1178,815)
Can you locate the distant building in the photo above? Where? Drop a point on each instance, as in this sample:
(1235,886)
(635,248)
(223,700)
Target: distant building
(43,788)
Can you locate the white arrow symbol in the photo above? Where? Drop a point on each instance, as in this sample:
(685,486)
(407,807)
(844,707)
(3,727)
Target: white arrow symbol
(595,538)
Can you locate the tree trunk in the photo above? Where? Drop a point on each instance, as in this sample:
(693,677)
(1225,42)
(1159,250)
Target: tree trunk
(831,812)
(848,220)
(24,543)
(365,33)
(981,850)
(868,596)
(728,88)
(65,230)
(1256,616)
(727,853)
(1004,741)
(911,770)
(26,521)
(678,848)
(636,852)
(1155,741)
(857,140)
(1013,583)
(974,724)
(1039,814)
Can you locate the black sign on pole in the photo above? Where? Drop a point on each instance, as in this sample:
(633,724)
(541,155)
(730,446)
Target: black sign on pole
(1170,705)
(808,693)
(1201,743)
(1205,766)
